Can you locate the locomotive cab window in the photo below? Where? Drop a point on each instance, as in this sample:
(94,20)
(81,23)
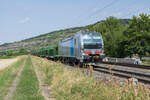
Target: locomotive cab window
(92,41)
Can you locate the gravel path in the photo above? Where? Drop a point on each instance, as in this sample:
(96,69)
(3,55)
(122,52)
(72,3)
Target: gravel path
(45,91)
(14,84)
(7,62)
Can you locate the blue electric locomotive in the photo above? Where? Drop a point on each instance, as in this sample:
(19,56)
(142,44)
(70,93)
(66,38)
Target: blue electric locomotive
(83,47)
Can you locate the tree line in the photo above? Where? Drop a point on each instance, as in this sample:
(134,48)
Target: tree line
(125,40)
(10,53)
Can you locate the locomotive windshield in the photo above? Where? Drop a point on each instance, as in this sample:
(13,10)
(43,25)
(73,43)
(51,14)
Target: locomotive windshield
(92,41)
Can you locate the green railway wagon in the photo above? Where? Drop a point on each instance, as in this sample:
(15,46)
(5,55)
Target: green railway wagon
(53,52)
(42,52)
(50,52)
(46,52)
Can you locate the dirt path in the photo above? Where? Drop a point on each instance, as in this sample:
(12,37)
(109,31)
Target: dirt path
(7,62)
(45,91)
(14,84)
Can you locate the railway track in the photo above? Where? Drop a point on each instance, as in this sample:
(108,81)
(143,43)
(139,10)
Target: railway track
(129,65)
(130,73)
(120,73)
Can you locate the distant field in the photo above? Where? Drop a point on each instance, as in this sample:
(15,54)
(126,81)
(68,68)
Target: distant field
(6,62)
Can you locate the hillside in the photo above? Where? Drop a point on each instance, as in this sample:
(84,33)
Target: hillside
(40,41)
(47,39)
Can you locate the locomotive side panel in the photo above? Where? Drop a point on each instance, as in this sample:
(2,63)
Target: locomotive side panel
(66,48)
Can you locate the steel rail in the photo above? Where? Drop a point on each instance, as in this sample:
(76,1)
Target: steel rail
(144,78)
(129,65)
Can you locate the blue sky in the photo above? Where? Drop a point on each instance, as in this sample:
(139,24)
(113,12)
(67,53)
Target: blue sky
(21,19)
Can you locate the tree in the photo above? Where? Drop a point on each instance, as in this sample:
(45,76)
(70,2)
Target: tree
(9,53)
(22,51)
(137,36)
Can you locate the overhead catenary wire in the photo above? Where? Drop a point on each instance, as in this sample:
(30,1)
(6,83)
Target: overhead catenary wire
(109,5)
(130,12)
(138,10)
(93,7)
(101,9)
(85,12)
(106,6)
(126,8)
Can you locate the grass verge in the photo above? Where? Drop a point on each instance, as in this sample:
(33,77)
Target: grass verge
(28,87)
(7,57)
(7,76)
(73,85)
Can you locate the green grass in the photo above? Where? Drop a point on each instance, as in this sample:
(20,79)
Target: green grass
(7,57)
(73,85)
(7,76)
(28,87)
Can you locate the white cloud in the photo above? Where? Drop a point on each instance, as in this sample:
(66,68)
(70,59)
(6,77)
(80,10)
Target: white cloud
(25,20)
